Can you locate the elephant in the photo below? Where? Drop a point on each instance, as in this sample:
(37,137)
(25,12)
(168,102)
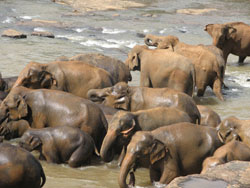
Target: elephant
(169,151)
(19,168)
(233,150)
(63,144)
(134,98)
(74,77)
(51,108)
(7,83)
(161,68)
(208,70)
(117,69)
(208,116)
(125,124)
(233,37)
(233,128)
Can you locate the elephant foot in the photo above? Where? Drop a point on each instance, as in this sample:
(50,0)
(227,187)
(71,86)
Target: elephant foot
(241,59)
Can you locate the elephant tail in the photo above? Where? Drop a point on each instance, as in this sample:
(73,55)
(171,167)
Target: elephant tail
(43,178)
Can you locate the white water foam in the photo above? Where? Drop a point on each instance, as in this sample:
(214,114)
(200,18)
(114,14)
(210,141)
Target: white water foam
(145,30)
(240,78)
(127,43)
(79,30)
(39,29)
(8,20)
(112,31)
(103,44)
(71,37)
(29,17)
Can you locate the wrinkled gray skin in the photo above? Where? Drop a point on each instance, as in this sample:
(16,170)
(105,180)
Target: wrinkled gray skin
(125,124)
(63,144)
(118,70)
(208,116)
(133,98)
(162,68)
(51,108)
(169,152)
(19,168)
(233,150)
(233,37)
(233,128)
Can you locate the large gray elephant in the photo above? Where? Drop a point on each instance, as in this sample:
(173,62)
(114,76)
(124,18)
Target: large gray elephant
(161,68)
(209,72)
(233,37)
(169,152)
(19,168)
(63,144)
(74,77)
(117,69)
(125,124)
(134,98)
(50,108)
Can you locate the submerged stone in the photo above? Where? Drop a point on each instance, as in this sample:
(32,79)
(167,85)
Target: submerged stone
(43,34)
(13,34)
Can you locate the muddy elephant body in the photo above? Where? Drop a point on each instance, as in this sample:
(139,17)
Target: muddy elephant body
(233,150)
(233,128)
(62,144)
(122,96)
(117,69)
(19,168)
(73,77)
(160,68)
(231,38)
(208,116)
(208,70)
(125,124)
(51,108)
(170,151)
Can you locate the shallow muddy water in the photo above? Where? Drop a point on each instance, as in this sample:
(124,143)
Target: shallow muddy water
(114,33)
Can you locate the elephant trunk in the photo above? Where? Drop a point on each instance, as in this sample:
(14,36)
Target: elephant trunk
(148,41)
(127,164)
(107,150)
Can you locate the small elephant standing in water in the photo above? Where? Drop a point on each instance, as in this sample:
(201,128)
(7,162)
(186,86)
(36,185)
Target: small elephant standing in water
(19,168)
(125,124)
(162,68)
(169,152)
(233,150)
(233,128)
(60,144)
(233,37)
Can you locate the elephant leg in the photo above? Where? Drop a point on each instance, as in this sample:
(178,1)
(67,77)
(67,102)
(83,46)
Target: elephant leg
(50,155)
(145,81)
(170,172)
(155,174)
(79,157)
(201,91)
(217,89)
(241,59)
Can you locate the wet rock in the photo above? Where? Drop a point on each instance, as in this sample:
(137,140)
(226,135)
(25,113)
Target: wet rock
(62,58)
(248,80)
(195,11)
(42,23)
(140,35)
(13,34)
(43,34)
(234,174)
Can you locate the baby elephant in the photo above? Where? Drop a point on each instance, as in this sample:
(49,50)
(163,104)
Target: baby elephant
(60,144)
(234,150)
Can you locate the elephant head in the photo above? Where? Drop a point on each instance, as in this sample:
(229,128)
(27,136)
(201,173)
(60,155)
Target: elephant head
(220,33)
(35,76)
(228,129)
(133,61)
(120,129)
(14,106)
(117,96)
(30,141)
(161,42)
(143,150)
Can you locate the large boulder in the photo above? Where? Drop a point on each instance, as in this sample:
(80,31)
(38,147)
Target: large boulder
(13,34)
(234,174)
(43,34)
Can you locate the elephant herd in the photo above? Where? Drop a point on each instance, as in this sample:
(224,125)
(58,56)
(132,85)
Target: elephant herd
(74,109)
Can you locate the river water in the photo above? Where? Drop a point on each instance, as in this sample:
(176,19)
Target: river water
(114,33)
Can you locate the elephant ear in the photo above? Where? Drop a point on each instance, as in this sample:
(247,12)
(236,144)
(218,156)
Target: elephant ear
(135,61)
(129,130)
(18,108)
(122,103)
(47,80)
(34,142)
(158,151)
(231,33)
